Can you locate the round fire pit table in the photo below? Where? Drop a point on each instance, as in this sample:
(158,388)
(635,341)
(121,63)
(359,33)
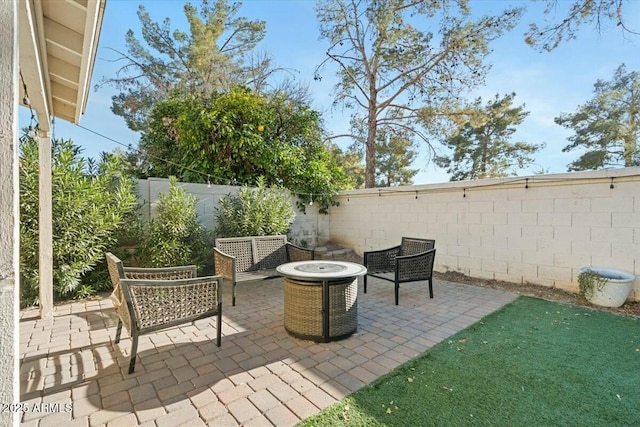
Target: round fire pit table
(321,299)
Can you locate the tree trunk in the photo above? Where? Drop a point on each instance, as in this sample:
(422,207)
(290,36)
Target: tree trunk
(630,143)
(483,158)
(370,155)
(370,160)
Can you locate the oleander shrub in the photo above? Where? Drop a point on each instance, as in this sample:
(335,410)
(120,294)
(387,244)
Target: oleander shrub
(175,236)
(88,211)
(259,211)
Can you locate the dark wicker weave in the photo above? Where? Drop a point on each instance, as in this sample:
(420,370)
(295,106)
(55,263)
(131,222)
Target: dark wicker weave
(296,253)
(241,259)
(307,315)
(150,299)
(411,261)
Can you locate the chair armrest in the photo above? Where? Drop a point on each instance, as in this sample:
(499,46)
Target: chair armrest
(162,273)
(224,265)
(298,253)
(156,303)
(415,267)
(381,260)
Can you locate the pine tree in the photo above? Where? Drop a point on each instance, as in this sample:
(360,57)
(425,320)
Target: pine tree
(394,71)
(481,146)
(607,126)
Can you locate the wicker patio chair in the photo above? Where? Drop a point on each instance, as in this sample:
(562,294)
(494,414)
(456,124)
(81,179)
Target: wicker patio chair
(150,299)
(410,261)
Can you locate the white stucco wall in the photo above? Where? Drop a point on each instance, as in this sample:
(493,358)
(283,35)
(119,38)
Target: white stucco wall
(9,222)
(499,229)
(7,350)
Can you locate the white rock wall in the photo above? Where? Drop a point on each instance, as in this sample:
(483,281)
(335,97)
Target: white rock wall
(499,229)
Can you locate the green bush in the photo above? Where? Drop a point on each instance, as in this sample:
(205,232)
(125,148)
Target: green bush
(175,236)
(126,238)
(87,212)
(255,212)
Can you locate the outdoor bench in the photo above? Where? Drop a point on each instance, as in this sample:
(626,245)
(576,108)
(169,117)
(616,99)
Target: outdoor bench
(149,299)
(242,259)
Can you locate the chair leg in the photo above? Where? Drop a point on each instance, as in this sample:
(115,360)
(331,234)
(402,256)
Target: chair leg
(118,331)
(219,325)
(134,350)
(397,292)
(233,297)
(365,283)
(431,288)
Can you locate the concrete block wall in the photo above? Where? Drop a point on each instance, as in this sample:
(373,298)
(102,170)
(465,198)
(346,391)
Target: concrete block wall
(539,229)
(309,228)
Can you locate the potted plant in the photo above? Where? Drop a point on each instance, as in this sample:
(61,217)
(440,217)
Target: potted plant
(605,286)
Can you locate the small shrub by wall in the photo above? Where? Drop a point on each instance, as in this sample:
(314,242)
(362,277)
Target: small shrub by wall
(175,236)
(259,211)
(308,229)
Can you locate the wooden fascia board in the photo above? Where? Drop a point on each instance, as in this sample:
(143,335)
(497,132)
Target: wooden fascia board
(32,67)
(93,26)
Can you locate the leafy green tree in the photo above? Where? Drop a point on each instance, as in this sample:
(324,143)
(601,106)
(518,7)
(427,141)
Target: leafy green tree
(574,15)
(238,136)
(257,211)
(607,126)
(394,156)
(175,236)
(481,146)
(215,55)
(221,136)
(393,70)
(88,211)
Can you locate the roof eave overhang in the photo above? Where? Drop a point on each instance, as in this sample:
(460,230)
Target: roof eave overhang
(56,57)
(32,69)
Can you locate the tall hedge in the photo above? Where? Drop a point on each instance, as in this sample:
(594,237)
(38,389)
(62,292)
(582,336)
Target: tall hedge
(88,209)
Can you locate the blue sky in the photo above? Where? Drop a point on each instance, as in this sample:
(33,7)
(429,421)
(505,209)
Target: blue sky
(548,83)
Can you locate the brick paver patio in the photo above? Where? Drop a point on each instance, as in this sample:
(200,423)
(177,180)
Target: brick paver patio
(74,374)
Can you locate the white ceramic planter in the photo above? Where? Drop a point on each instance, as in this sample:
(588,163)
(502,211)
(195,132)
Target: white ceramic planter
(616,288)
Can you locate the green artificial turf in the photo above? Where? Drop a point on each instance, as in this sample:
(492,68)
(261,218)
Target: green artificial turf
(532,363)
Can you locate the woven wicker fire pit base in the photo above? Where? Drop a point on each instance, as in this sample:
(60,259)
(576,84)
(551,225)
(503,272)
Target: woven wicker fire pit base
(321,310)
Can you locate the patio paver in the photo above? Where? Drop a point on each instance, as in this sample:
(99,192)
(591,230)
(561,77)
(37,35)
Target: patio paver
(73,372)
